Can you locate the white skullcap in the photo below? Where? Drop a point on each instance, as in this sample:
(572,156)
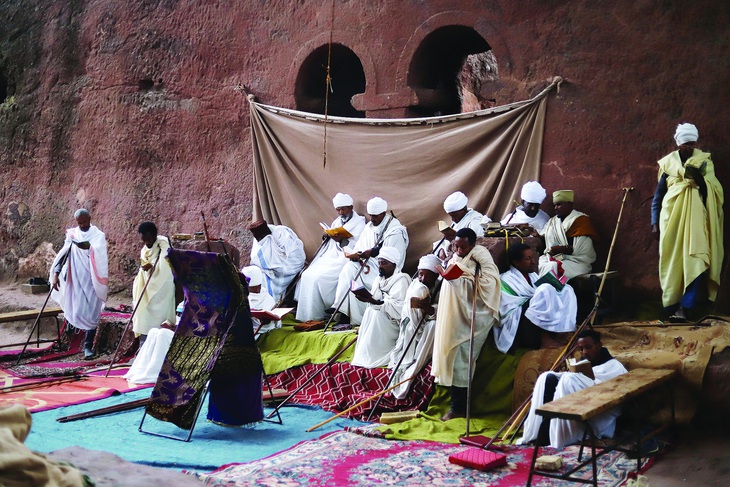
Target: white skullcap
(533,192)
(377,205)
(254,275)
(342,199)
(391,254)
(455,202)
(686,132)
(429,262)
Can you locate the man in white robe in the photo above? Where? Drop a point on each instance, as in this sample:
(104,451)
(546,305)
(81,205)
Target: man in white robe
(279,253)
(259,299)
(414,347)
(80,276)
(316,288)
(157,304)
(554,385)
(457,207)
(529,213)
(569,237)
(529,314)
(382,231)
(379,329)
(453,321)
(147,364)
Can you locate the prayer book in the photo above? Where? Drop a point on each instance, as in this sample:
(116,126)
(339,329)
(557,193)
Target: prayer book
(359,290)
(581,367)
(479,459)
(453,271)
(550,463)
(274,315)
(443,226)
(550,278)
(335,232)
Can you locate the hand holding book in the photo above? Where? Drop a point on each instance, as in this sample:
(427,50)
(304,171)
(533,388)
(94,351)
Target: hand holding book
(582,366)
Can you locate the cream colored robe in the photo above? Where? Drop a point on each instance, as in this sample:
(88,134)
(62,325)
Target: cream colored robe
(158,302)
(583,256)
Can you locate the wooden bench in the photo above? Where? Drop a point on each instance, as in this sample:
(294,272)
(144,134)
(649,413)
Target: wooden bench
(32,314)
(586,404)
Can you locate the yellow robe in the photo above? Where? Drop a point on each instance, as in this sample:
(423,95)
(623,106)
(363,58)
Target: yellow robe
(690,233)
(158,302)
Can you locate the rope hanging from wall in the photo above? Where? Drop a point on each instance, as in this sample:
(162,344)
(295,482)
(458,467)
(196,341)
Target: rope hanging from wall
(328,84)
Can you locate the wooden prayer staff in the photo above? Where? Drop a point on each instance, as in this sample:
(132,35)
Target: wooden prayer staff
(310,379)
(129,323)
(43,383)
(205,230)
(107,410)
(385,391)
(471,348)
(292,285)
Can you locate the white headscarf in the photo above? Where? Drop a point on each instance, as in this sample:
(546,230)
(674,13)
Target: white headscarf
(391,254)
(429,262)
(533,192)
(254,275)
(455,202)
(686,132)
(342,199)
(377,205)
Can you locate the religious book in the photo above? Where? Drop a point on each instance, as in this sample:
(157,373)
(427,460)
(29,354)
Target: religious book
(580,367)
(550,278)
(359,289)
(335,232)
(479,459)
(443,226)
(420,303)
(274,315)
(452,271)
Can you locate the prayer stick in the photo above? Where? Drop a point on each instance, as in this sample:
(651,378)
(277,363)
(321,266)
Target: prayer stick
(107,410)
(363,263)
(471,348)
(292,285)
(205,230)
(385,391)
(43,383)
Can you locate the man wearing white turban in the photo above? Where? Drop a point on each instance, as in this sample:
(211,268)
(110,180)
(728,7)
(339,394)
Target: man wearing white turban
(532,195)
(279,253)
(316,288)
(417,317)
(687,219)
(259,298)
(382,230)
(457,207)
(379,329)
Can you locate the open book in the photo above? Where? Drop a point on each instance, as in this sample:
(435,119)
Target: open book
(274,315)
(335,232)
(360,290)
(453,271)
(581,367)
(550,278)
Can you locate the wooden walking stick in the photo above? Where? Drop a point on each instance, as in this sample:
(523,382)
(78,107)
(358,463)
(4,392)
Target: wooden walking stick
(205,230)
(293,284)
(471,348)
(364,401)
(363,264)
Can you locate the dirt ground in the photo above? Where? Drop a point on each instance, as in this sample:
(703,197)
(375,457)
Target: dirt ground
(699,456)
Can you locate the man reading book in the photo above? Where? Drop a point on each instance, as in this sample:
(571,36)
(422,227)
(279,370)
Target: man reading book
(259,298)
(456,206)
(530,312)
(529,213)
(453,321)
(554,385)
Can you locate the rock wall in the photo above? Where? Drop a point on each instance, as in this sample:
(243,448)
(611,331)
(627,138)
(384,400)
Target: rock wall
(137,110)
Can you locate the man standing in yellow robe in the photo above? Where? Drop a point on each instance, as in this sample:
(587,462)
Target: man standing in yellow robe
(687,219)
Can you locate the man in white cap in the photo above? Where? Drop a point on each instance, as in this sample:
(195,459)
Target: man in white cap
(687,210)
(569,237)
(418,318)
(316,288)
(80,276)
(382,230)
(279,253)
(379,329)
(259,298)
(532,195)
(457,207)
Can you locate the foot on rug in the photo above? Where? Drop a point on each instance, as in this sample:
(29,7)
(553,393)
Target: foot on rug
(452,414)
(88,353)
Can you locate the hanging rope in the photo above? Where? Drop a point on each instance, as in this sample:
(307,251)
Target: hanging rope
(328,84)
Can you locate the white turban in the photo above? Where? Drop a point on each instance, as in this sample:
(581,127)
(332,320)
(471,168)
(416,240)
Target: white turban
(455,202)
(429,262)
(391,254)
(377,205)
(254,275)
(686,132)
(342,199)
(533,192)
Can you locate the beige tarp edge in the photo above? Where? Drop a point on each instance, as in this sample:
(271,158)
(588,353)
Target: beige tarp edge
(412,164)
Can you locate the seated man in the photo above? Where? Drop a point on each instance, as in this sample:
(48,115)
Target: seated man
(148,362)
(569,237)
(259,298)
(418,318)
(554,385)
(529,314)
(382,230)
(317,286)
(379,329)
(279,253)
(532,194)
(457,206)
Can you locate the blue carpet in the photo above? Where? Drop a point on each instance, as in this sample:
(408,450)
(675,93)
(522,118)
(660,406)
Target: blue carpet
(211,445)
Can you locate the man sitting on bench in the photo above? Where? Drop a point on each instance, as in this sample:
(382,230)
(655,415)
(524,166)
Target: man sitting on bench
(554,385)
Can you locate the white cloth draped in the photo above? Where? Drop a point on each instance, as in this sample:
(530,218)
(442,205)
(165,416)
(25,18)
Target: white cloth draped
(564,432)
(537,222)
(453,321)
(148,362)
(379,329)
(83,278)
(396,236)
(280,255)
(158,301)
(316,288)
(264,301)
(548,309)
(583,256)
(472,219)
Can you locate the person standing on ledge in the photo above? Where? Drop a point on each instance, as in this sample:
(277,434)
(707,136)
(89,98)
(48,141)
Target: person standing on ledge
(80,275)
(687,219)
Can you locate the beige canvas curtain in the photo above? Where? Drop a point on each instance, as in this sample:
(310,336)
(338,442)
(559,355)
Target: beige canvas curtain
(414,164)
